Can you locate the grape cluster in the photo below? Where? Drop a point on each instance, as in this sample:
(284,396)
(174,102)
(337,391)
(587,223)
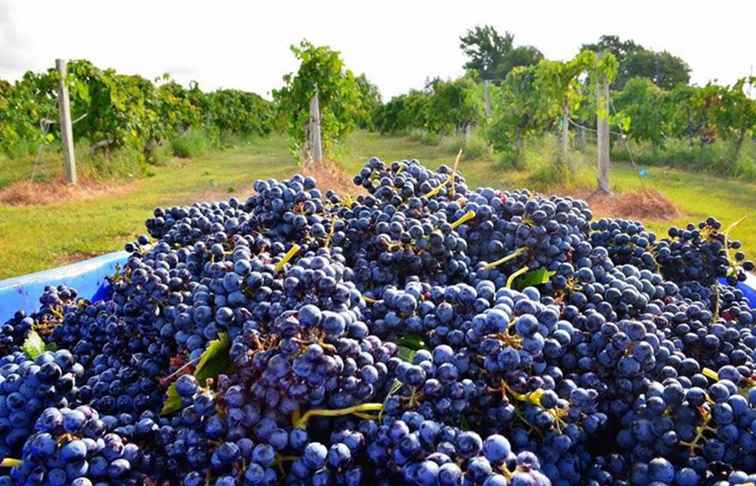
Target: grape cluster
(421,332)
(27,387)
(700,253)
(77,447)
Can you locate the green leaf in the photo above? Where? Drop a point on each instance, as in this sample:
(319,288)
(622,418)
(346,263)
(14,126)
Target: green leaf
(33,345)
(411,341)
(406,354)
(172,401)
(214,360)
(534,277)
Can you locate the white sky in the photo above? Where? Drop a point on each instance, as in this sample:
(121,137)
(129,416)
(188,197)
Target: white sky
(398,44)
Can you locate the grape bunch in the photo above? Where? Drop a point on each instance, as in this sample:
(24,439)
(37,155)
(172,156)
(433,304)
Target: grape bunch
(418,332)
(27,387)
(76,447)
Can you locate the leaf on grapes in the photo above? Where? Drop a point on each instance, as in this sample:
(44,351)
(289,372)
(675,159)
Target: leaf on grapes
(33,345)
(172,401)
(408,346)
(214,360)
(534,277)
(412,341)
(406,354)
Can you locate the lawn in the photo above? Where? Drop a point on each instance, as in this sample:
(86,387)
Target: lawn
(37,237)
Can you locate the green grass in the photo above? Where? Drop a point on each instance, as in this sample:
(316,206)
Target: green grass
(34,238)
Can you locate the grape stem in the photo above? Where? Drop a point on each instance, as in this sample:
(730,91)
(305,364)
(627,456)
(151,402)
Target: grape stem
(301,422)
(330,233)
(516,274)
(454,173)
(511,256)
(289,255)
(182,368)
(465,218)
(730,263)
(10,462)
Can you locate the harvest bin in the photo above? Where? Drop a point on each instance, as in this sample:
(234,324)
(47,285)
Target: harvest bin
(88,277)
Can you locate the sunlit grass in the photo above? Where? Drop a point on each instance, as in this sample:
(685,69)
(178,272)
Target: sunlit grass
(37,237)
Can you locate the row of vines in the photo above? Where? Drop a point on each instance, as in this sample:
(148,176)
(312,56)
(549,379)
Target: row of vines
(113,110)
(513,93)
(509,93)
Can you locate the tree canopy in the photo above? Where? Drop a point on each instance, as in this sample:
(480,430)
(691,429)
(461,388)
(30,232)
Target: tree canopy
(635,61)
(494,55)
(322,71)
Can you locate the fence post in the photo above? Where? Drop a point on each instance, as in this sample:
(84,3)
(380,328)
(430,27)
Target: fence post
(564,138)
(316,144)
(602,133)
(66,128)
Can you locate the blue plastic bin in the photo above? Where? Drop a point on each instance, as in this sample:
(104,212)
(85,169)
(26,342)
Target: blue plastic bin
(87,277)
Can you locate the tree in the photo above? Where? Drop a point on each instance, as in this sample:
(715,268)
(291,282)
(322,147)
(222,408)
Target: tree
(321,71)
(519,112)
(634,60)
(693,112)
(645,103)
(453,104)
(494,55)
(737,113)
(370,102)
(662,68)
(620,49)
(559,85)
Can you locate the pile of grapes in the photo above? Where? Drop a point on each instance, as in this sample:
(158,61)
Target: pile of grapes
(420,333)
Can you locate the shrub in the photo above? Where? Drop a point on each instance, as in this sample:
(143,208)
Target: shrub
(191,143)
(424,136)
(475,147)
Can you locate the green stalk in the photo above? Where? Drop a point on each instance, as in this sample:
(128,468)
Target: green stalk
(465,218)
(512,277)
(511,256)
(289,255)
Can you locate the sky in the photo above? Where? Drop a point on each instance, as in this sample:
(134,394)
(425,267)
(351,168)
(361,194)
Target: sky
(397,44)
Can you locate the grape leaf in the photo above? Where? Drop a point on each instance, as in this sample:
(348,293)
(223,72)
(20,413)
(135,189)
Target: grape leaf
(534,277)
(406,354)
(411,341)
(33,345)
(214,360)
(172,402)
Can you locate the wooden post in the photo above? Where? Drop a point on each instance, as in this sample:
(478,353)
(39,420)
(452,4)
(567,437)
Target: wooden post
(316,144)
(486,98)
(602,133)
(66,128)
(564,138)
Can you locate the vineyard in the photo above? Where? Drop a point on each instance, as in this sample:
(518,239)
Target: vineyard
(508,97)
(510,295)
(114,111)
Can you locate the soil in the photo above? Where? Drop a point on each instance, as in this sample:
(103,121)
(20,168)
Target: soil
(641,205)
(330,176)
(29,193)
